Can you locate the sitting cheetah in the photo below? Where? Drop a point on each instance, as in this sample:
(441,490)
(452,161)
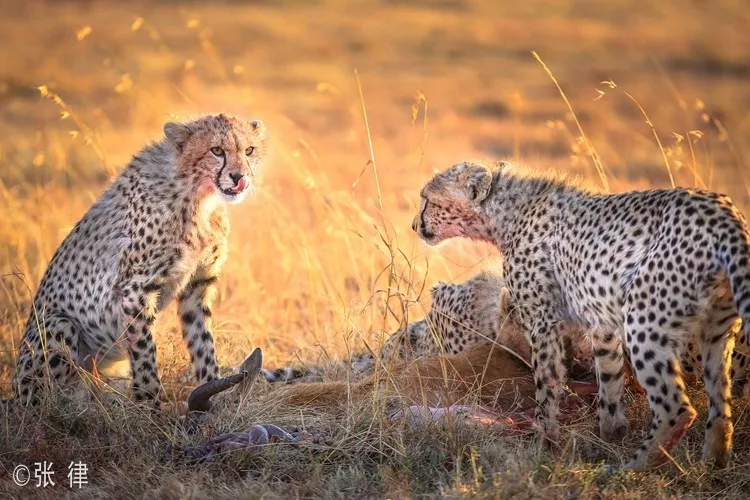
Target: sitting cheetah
(651,270)
(462,315)
(158,232)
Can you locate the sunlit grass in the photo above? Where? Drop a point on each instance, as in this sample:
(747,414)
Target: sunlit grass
(323,261)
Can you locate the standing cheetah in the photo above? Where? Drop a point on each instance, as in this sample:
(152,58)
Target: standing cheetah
(159,232)
(651,270)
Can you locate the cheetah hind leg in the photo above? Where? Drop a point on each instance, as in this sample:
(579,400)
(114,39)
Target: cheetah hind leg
(740,365)
(717,343)
(40,367)
(658,371)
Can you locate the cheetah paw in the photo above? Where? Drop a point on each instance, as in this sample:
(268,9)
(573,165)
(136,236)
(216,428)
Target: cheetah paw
(548,434)
(613,428)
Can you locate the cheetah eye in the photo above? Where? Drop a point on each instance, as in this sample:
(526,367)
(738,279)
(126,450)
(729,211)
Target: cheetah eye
(216,150)
(249,151)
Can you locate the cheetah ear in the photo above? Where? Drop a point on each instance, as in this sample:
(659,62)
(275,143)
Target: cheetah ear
(502,164)
(437,289)
(259,127)
(478,183)
(177,133)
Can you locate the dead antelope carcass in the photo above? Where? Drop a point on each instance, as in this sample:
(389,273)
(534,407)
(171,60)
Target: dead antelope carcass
(491,378)
(486,386)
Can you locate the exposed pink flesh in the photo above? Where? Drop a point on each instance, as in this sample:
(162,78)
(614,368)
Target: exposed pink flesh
(583,389)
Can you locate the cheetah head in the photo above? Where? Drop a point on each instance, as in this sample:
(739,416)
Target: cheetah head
(404,343)
(450,204)
(219,153)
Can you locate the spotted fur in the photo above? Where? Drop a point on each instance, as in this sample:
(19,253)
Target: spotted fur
(646,271)
(157,233)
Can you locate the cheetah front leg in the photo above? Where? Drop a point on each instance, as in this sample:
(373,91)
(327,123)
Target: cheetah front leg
(194,308)
(538,303)
(610,374)
(549,376)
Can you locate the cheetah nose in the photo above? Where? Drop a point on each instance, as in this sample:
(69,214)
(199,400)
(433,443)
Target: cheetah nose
(415,224)
(236,177)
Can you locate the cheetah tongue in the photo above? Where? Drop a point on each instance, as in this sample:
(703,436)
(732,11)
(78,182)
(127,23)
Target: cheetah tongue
(240,187)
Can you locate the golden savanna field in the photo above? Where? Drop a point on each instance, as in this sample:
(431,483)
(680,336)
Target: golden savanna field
(363,100)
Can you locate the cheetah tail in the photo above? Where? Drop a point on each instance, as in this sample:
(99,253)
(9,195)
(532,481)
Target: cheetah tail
(735,250)
(286,374)
(357,364)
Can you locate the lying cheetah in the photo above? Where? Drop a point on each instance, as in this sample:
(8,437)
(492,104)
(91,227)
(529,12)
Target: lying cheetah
(651,270)
(158,232)
(472,313)
(461,316)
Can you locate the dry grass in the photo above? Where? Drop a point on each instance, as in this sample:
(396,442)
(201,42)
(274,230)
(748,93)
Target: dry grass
(324,259)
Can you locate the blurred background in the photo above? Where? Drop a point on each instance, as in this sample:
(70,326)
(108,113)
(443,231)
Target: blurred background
(631,95)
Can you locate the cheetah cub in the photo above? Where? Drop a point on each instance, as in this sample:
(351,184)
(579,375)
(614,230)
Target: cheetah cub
(648,271)
(159,232)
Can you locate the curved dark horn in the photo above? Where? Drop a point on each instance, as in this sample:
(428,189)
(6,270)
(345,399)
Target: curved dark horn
(253,363)
(199,399)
